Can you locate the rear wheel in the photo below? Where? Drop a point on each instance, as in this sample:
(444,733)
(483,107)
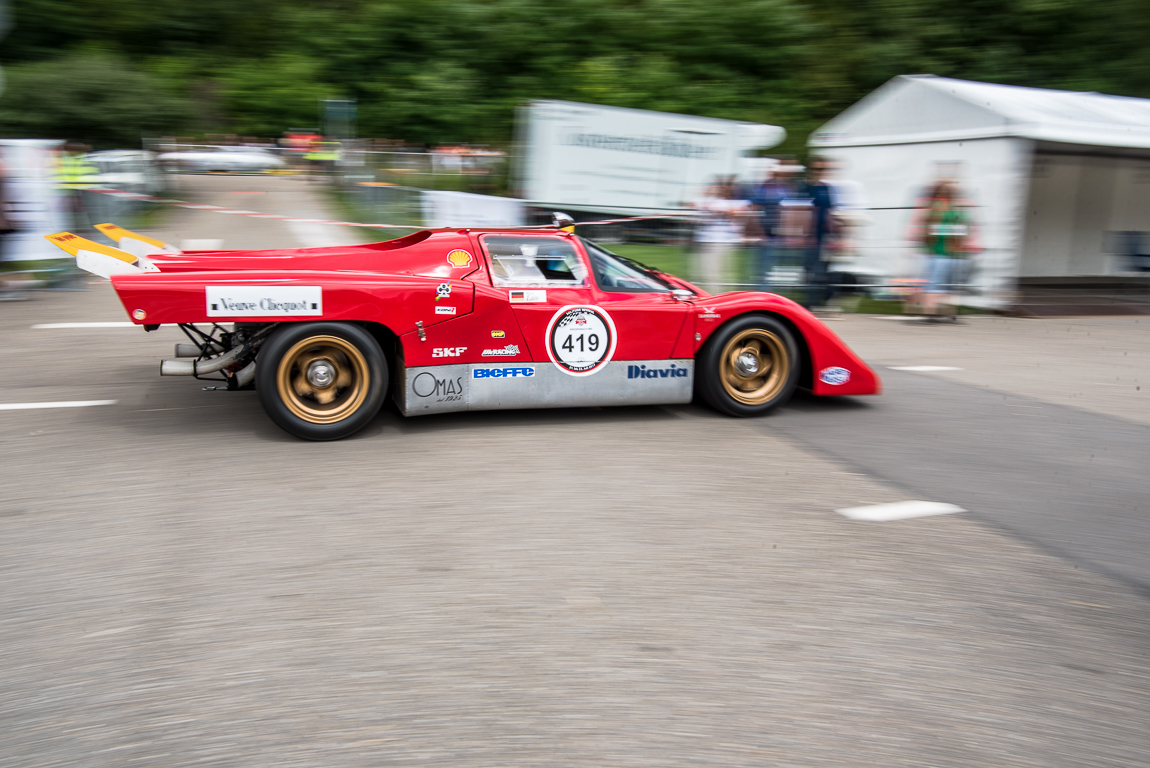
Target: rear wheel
(321,381)
(749,367)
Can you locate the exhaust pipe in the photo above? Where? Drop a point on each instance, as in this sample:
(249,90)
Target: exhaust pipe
(199,367)
(246,374)
(187,350)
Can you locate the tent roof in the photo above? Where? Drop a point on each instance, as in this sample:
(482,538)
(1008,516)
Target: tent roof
(919,108)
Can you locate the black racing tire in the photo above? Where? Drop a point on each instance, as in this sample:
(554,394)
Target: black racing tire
(321,381)
(749,367)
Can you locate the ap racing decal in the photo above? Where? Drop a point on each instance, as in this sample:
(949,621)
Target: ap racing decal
(581,340)
(834,376)
(264,301)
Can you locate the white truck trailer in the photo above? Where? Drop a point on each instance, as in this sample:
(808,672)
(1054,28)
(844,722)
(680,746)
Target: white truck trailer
(594,158)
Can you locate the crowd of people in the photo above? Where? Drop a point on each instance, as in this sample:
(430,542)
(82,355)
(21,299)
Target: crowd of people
(798,224)
(804,214)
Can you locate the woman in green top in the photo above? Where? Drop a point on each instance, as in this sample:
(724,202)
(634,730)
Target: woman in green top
(945,233)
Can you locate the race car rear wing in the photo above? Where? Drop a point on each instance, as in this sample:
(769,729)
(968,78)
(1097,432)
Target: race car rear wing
(134,242)
(99,259)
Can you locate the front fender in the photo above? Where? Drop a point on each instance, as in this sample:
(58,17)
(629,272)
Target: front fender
(834,369)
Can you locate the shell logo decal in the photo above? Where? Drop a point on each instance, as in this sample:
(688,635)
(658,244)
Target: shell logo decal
(459,258)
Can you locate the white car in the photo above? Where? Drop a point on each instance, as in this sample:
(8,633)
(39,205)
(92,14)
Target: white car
(209,159)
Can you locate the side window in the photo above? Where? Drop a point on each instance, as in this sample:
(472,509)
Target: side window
(533,261)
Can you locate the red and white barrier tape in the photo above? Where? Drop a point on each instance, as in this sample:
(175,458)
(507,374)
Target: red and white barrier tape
(257,215)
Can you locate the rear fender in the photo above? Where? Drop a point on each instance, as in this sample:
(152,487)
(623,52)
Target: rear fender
(399,303)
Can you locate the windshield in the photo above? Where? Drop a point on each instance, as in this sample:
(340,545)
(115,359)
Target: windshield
(618,274)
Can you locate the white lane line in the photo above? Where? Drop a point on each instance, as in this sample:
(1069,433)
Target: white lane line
(62,404)
(899,510)
(55,326)
(922,368)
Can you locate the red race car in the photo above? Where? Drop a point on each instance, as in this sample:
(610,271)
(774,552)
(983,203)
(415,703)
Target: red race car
(465,319)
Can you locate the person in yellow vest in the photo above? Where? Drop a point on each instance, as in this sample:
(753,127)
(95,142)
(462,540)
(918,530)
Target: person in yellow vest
(74,174)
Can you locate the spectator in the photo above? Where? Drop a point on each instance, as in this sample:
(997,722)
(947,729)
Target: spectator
(947,240)
(820,189)
(720,233)
(768,198)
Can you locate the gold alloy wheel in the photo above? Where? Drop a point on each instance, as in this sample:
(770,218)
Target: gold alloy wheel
(323,379)
(754,366)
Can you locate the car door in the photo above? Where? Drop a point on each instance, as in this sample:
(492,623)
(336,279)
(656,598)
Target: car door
(592,338)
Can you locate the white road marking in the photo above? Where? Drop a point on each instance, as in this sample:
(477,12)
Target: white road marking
(56,326)
(899,510)
(62,404)
(922,368)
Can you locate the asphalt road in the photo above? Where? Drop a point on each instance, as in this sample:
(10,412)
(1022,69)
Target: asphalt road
(184,584)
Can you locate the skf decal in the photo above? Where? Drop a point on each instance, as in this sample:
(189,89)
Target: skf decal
(459,258)
(441,310)
(643,372)
(511,350)
(448,351)
(580,340)
(498,334)
(834,376)
(502,373)
(527,297)
(442,291)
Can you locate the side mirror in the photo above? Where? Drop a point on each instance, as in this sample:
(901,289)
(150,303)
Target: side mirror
(562,221)
(682,294)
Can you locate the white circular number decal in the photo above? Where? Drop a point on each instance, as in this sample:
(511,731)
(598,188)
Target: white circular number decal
(581,340)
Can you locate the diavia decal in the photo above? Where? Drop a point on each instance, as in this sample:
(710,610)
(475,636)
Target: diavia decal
(581,340)
(448,351)
(511,350)
(443,389)
(441,310)
(643,372)
(502,373)
(527,297)
(834,376)
(459,258)
(442,291)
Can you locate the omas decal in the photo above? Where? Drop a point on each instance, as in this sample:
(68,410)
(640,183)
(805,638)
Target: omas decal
(442,291)
(502,373)
(580,340)
(264,301)
(448,351)
(511,350)
(834,376)
(527,297)
(643,372)
(459,258)
(445,310)
(442,389)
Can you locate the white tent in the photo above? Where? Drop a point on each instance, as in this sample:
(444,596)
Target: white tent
(1051,174)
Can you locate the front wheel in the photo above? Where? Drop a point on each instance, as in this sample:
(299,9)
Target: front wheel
(321,381)
(749,367)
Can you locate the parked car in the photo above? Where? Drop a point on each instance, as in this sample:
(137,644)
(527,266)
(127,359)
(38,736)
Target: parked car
(222,159)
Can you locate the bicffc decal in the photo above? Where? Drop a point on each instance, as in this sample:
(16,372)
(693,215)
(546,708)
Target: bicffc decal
(580,340)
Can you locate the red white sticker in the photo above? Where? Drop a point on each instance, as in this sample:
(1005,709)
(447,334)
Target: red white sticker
(459,258)
(581,340)
(527,297)
(441,310)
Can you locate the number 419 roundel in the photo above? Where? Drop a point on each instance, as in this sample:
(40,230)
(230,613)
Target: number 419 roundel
(581,340)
